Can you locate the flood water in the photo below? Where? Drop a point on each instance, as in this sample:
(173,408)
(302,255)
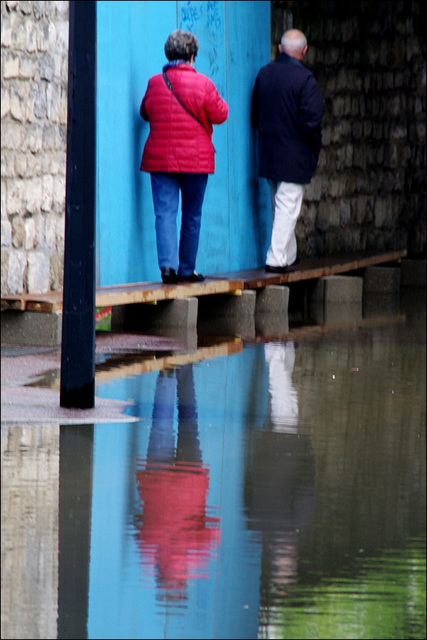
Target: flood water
(269,488)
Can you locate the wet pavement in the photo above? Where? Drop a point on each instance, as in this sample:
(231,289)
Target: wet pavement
(25,401)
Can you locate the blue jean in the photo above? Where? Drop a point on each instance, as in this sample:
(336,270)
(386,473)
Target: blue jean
(166,188)
(170,385)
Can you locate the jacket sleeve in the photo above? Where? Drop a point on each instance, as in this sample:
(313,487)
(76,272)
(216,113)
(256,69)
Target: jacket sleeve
(142,110)
(215,107)
(255,106)
(311,113)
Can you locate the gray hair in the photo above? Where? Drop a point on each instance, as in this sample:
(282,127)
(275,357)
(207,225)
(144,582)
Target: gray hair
(293,40)
(181,45)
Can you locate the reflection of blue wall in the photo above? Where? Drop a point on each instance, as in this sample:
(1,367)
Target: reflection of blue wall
(121,597)
(234,42)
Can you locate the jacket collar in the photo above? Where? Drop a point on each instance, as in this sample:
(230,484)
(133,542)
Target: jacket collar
(283,58)
(180,64)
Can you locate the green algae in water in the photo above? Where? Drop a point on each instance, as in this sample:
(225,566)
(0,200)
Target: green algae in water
(385,599)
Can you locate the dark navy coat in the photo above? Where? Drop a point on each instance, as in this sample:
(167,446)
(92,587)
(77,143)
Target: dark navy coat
(287,109)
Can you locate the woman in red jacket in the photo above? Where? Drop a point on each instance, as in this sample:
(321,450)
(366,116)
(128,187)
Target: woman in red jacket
(181,106)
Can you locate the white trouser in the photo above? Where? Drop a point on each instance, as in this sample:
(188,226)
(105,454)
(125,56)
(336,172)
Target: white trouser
(286,198)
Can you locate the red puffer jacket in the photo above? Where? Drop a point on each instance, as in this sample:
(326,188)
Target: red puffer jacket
(176,142)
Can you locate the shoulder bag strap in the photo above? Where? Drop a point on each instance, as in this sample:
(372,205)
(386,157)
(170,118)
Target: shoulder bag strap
(169,86)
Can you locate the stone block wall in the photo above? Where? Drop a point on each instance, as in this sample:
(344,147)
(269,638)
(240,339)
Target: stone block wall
(369,191)
(34,66)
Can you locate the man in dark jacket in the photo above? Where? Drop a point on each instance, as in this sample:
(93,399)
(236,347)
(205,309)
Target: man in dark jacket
(287,110)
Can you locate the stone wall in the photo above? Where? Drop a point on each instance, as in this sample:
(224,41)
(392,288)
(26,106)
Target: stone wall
(369,191)
(370,188)
(34,40)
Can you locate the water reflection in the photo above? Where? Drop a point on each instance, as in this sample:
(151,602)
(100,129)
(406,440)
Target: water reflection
(311,451)
(158,567)
(280,481)
(75,507)
(29,536)
(175,535)
(280,358)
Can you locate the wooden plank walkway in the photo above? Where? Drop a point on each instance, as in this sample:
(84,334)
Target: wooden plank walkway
(230,283)
(313,268)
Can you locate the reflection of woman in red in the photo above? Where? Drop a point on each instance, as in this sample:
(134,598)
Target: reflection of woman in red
(175,534)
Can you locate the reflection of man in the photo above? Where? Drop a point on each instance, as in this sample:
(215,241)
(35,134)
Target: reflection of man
(280,474)
(280,357)
(175,535)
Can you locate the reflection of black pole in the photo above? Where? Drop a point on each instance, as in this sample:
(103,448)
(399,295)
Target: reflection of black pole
(78,320)
(75,507)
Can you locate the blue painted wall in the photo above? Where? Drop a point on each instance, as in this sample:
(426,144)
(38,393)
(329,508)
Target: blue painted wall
(234,40)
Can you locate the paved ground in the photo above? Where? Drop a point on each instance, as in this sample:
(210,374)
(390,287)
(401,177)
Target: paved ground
(25,394)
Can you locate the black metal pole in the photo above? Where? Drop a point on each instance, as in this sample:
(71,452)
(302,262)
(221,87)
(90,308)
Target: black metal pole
(78,320)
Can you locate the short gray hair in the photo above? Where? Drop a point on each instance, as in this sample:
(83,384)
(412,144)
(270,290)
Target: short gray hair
(181,45)
(293,40)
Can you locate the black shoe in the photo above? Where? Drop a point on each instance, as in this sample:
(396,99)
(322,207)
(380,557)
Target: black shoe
(195,277)
(169,276)
(288,269)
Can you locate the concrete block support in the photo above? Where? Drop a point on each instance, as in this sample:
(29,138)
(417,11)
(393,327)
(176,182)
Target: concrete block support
(413,273)
(337,289)
(335,300)
(228,305)
(381,287)
(376,303)
(179,313)
(31,328)
(228,314)
(336,312)
(381,280)
(271,310)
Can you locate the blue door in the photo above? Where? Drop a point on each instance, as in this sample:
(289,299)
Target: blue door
(234,39)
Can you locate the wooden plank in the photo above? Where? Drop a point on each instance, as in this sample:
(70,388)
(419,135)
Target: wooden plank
(46,302)
(139,292)
(312,268)
(153,292)
(233,282)
(13,305)
(43,306)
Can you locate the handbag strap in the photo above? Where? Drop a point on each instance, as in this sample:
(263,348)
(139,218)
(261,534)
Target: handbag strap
(169,86)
